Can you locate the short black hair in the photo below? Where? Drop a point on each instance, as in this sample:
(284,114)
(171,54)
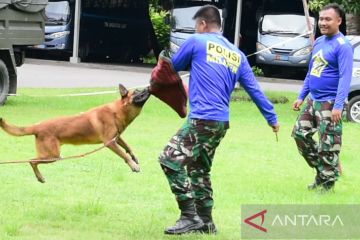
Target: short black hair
(209,13)
(337,8)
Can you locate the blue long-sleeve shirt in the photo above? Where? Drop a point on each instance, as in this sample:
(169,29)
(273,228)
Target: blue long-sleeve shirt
(216,66)
(330,70)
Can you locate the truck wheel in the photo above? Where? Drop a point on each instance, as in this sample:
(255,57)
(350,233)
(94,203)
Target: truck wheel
(19,58)
(353,110)
(4,83)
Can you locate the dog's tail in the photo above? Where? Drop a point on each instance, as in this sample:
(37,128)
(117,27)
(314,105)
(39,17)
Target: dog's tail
(14,130)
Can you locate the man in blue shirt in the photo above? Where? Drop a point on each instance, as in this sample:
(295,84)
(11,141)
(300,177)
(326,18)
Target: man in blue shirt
(216,66)
(328,83)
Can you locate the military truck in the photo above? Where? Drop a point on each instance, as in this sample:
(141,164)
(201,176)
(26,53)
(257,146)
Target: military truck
(22,24)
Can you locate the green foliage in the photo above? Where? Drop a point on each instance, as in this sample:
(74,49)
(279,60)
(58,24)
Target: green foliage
(162,30)
(350,6)
(150,60)
(257,71)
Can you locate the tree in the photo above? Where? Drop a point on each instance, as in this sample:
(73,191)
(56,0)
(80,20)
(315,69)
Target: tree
(351,7)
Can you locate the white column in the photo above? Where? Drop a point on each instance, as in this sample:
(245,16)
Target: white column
(75,57)
(310,28)
(238,23)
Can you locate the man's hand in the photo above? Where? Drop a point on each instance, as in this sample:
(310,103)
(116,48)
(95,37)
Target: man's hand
(336,115)
(297,104)
(275,127)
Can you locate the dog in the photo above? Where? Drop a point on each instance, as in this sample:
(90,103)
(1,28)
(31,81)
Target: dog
(98,125)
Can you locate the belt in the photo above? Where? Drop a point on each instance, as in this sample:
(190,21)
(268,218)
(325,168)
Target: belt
(209,122)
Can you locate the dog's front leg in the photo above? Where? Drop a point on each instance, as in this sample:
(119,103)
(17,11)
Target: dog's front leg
(38,175)
(127,148)
(132,164)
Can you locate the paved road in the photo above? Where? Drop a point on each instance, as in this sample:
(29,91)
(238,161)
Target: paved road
(37,73)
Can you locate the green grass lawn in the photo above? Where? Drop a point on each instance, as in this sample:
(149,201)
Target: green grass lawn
(98,197)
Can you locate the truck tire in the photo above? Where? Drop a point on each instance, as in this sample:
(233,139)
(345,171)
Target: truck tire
(19,58)
(4,83)
(353,109)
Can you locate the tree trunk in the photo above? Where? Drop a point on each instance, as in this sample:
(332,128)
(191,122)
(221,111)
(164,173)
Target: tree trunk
(353,24)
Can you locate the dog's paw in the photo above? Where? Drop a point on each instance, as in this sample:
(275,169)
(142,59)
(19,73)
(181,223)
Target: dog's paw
(41,179)
(135,168)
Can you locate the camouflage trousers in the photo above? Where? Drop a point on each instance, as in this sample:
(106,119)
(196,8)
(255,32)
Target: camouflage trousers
(324,155)
(193,147)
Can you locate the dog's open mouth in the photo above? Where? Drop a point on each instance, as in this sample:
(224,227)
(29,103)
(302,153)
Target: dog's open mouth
(141,96)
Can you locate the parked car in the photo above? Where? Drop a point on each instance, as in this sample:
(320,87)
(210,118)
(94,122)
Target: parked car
(289,30)
(353,106)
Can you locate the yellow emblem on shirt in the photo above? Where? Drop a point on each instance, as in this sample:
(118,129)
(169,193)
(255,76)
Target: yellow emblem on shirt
(319,63)
(217,53)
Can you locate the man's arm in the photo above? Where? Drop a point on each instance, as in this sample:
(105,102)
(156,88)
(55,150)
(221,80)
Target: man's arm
(252,87)
(182,58)
(305,89)
(345,62)
(303,93)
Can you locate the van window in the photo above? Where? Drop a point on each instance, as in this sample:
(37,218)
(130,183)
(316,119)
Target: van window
(182,19)
(57,12)
(284,24)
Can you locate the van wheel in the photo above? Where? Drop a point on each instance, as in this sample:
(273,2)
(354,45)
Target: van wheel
(353,111)
(4,83)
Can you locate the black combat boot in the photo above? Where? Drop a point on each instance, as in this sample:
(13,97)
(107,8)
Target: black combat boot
(327,186)
(188,222)
(205,213)
(317,182)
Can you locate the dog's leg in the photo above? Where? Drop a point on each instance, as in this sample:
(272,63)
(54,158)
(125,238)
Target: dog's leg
(47,148)
(133,165)
(127,148)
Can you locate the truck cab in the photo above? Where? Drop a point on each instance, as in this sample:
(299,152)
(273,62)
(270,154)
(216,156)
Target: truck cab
(22,24)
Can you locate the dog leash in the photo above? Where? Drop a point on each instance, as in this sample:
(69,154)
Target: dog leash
(75,94)
(60,158)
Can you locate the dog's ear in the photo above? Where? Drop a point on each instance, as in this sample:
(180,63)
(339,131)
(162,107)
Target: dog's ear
(123,91)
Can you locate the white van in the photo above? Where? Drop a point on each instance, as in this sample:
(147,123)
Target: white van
(287,36)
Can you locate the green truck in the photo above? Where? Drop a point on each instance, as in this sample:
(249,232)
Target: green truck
(22,24)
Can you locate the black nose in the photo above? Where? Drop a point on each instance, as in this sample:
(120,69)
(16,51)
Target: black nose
(140,97)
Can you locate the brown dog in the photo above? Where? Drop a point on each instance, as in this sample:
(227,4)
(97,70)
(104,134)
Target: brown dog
(98,125)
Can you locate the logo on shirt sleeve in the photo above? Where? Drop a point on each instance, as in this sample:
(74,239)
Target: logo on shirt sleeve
(341,40)
(319,64)
(219,54)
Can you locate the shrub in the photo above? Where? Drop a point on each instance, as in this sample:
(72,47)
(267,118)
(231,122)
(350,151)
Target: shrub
(162,30)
